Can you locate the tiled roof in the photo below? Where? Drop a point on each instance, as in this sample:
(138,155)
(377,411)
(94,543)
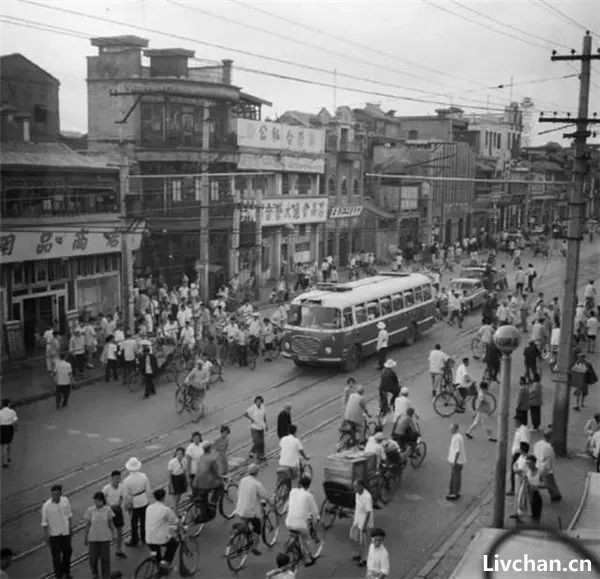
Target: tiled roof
(48,155)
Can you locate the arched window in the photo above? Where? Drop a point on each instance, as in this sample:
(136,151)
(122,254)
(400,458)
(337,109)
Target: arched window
(331,186)
(355,187)
(413,135)
(344,187)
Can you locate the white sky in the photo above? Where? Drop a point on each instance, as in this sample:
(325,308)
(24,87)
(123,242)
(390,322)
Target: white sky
(408,38)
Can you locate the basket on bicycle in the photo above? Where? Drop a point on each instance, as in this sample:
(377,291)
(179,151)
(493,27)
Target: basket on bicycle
(339,494)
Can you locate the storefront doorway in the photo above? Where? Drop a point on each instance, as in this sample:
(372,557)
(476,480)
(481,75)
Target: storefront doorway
(36,314)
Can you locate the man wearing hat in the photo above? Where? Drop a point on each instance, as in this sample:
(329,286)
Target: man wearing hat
(382,343)
(251,493)
(388,385)
(136,489)
(77,349)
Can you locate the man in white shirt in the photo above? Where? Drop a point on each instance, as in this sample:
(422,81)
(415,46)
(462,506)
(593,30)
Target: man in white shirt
(362,522)
(56,522)
(374,445)
(187,338)
(302,506)
(160,521)
(382,344)
(258,426)
(454,306)
(463,381)
(589,293)
(136,488)
(437,360)
(486,336)
(113,493)
(592,332)
(291,450)
(48,339)
(356,407)
(457,457)
(251,493)
(401,404)
(63,375)
(129,351)
(184,315)
(521,435)
(544,453)
(378,559)
(119,334)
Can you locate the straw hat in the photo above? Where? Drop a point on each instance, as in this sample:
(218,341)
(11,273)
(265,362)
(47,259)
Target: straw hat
(133,464)
(389,364)
(380,326)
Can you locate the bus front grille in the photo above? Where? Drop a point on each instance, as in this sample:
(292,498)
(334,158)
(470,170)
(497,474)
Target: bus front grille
(305,346)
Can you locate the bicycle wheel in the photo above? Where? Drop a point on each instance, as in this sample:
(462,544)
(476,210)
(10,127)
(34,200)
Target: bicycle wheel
(190,520)
(188,557)
(236,551)
(316,536)
(180,400)
(444,404)
(147,569)
(418,453)
(270,528)
(328,514)
(228,500)
(280,498)
(345,442)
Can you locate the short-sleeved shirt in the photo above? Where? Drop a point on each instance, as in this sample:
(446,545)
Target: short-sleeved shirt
(258,417)
(437,359)
(63,371)
(291,448)
(592,326)
(363,507)
(354,410)
(114,496)
(250,493)
(175,467)
(98,519)
(8,416)
(194,452)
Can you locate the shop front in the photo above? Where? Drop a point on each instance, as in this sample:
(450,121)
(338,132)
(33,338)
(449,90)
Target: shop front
(345,228)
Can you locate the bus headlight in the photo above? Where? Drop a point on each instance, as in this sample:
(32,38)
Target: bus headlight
(286,345)
(328,350)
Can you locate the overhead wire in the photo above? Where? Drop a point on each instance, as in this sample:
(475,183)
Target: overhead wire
(566,17)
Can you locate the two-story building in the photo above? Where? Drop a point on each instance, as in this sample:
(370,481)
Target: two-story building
(62,233)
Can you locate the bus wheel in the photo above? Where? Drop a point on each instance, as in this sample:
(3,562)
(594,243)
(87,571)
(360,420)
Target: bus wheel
(352,359)
(411,335)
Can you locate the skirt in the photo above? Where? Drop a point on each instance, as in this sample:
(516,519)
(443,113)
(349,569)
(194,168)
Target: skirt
(178,484)
(7,431)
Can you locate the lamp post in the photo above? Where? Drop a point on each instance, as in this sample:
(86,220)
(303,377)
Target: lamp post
(507,339)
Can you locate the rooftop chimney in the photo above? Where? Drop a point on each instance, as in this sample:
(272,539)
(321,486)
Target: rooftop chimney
(169,61)
(226,78)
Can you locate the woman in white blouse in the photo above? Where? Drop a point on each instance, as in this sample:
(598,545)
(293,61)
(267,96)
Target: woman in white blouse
(8,425)
(178,478)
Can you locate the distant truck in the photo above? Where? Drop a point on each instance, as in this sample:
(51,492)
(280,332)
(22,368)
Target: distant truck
(493,278)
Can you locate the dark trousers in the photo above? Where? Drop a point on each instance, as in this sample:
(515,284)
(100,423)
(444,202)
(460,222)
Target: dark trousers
(165,552)
(381,356)
(519,288)
(99,552)
(62,395)
(535,413)
(550,484)
(535,500)
(111,367)
(530,279)
(79,362)
(149,384)
(138,525)
(530,369)
(512,472)
(522,415)
(242,355)
(61,550)
(128,368)
(258,443)
(455,479)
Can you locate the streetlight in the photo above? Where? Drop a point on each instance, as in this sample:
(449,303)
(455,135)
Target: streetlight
(507,339)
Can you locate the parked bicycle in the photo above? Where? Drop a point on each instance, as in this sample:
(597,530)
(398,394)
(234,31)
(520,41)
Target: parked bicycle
(187,561)
(241,542)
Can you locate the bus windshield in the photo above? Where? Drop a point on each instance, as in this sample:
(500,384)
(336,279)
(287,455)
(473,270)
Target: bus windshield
(307,316)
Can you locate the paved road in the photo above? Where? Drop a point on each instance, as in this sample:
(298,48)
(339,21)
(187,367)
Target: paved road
(105,424)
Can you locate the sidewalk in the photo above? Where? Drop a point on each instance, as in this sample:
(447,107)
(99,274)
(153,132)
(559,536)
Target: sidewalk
(27,381)
(570,475)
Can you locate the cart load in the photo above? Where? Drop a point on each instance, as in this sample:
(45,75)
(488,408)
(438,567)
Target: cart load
(350,465)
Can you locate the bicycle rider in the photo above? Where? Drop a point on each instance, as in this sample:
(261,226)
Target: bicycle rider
(197,379)
(302,507)
(187,340)
(405,432)
(291,450)
(251,494)
(160,520)
(356,407)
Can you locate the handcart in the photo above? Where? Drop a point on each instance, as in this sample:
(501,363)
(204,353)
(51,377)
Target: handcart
(338,503)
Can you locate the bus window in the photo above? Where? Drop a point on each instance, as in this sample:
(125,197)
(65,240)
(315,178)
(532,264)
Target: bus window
(397,302)
(372,311)
(307,316)
(348,318)
(427,292)
(409,298)
(360,314)
(419,294)
(386,306)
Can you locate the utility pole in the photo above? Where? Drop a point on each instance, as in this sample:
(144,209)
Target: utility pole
(127,299)
(560,418)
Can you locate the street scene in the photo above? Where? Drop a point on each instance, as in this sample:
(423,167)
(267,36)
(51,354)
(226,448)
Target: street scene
(244,340)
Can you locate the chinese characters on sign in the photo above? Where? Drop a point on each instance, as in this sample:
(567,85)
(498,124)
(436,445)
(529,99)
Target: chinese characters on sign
(347,211)
(269,135)
(282,211)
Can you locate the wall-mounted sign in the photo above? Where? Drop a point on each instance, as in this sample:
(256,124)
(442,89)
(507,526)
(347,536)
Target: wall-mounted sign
(347,211)
(297,210)
(279,136)
(409,198)
(18,246)
(281,163)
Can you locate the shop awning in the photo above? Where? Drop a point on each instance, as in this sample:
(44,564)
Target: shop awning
(379,211)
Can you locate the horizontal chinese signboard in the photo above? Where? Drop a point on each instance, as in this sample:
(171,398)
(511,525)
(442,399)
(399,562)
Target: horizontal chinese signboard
(348,211)
(281,211)
(279,136)
(18,246)
(281,163)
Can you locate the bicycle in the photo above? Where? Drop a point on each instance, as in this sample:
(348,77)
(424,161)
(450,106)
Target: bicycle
(241,540)
(415,451)
(293,548)
(450,401)
(150,567)
(388,481)
(284,485)
(134,378)
(226,504)
(349,437)
(186,399)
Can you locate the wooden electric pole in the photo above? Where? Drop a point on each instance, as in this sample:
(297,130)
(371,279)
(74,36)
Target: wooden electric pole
(577,204)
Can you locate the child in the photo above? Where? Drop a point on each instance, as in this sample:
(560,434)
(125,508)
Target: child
(284,569)
(378,559)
